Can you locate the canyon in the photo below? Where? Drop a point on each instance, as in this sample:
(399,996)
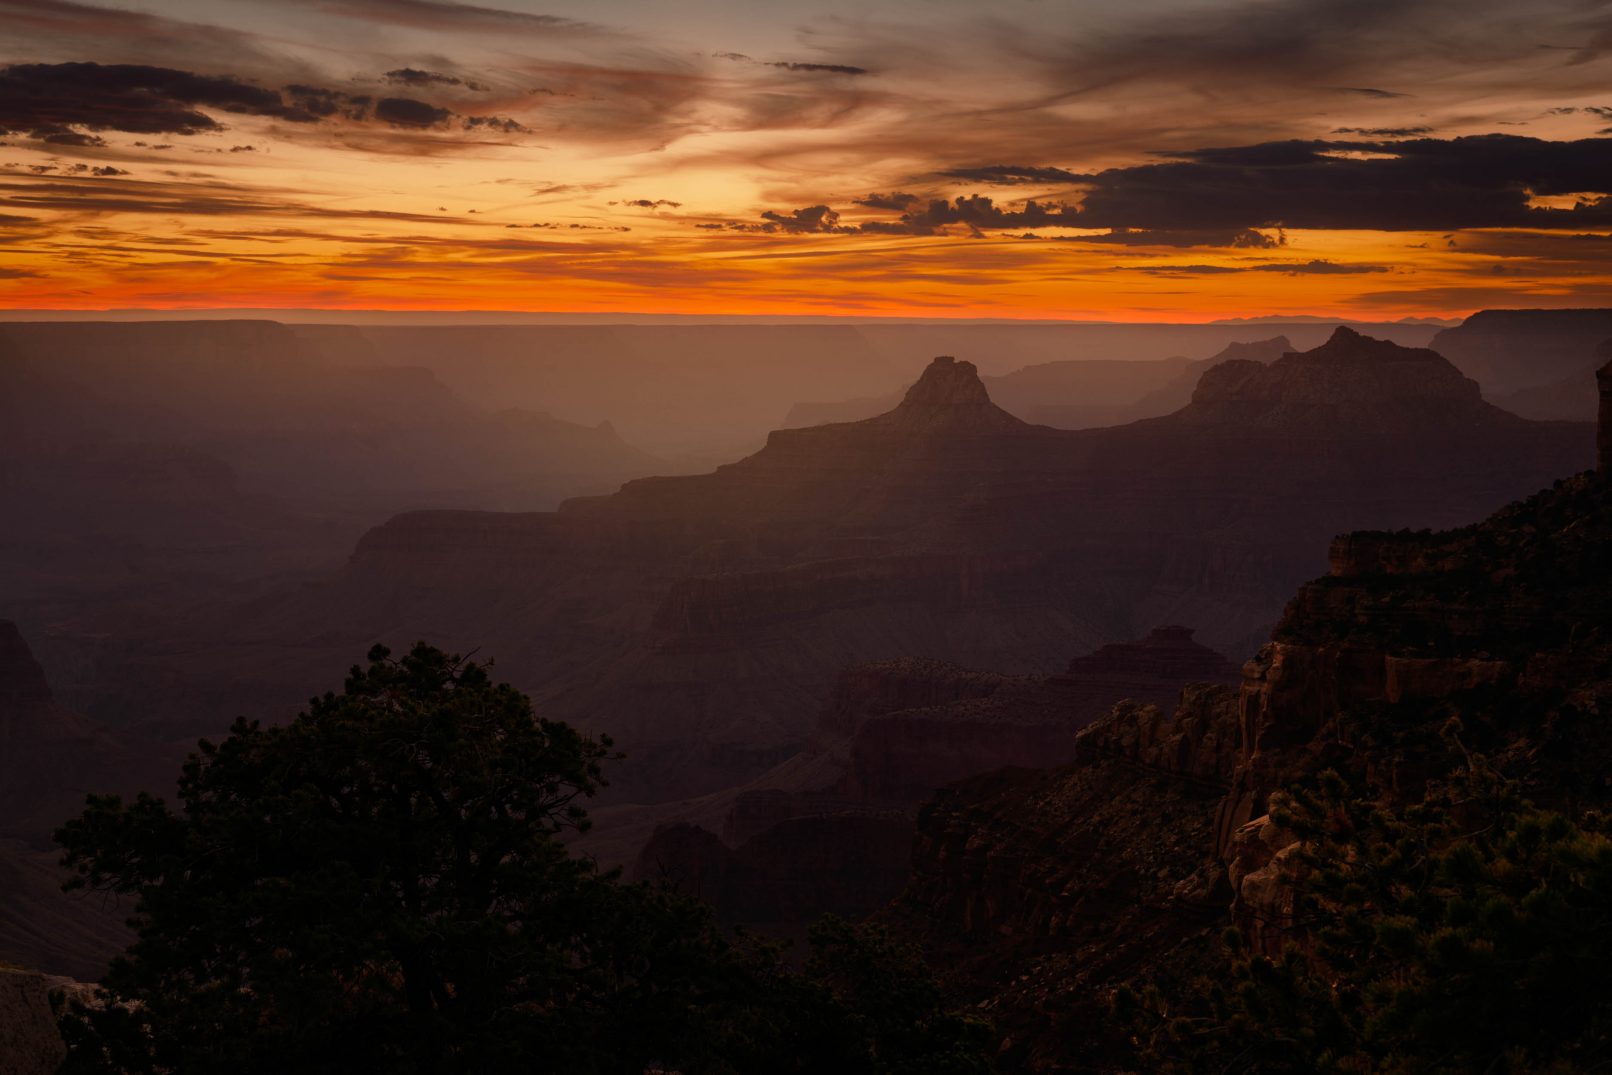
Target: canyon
(1047,889)
(702,619)
(803,643)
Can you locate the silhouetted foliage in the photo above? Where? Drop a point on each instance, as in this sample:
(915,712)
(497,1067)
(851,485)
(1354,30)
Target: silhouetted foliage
(1468,932)
(381,885)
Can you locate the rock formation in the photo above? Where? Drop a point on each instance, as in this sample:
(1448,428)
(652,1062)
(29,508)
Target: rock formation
(1574,398)
(702,619)
(1074,394)
(705,391)
(1042,889)
(1126,864)
(1507,351)
(904,729)
(29,1041)
(1177,393)
(901,754)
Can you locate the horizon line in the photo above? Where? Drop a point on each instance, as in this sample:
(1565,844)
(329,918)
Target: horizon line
(336,315)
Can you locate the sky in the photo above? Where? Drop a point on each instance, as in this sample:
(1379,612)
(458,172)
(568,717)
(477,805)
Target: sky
(1161,160)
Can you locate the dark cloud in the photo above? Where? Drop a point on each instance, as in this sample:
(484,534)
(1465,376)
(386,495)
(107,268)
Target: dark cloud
(1288,268)
(442,15)
(60,103)
(1370,91)
(820,68)
(1237,196)
(50,100)
(1385,132)
(1243,239)
(813,218)
(794,65)
(408,112)
(977,212)
(895,201)
(208,198)
(555,226)
(1008,174)
(651,203)
(413,76)
(1419,184)
(496,123)
(324,103)
(66,136)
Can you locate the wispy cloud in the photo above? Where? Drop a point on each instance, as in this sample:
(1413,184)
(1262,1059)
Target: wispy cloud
(1311,146)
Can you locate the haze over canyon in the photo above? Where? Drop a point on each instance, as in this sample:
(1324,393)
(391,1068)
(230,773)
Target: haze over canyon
(618,538)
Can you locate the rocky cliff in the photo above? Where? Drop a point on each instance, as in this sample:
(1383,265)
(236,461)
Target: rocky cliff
(1177,392)
(895,732)
(1505,624)
(29,1042)
(902,754)
(1573,398)
(1507,351)
(1042,889)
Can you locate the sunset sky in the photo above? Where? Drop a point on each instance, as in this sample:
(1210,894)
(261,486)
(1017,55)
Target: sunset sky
(1152,160)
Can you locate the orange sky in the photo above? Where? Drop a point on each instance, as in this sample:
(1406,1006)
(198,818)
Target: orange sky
(1181,161)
